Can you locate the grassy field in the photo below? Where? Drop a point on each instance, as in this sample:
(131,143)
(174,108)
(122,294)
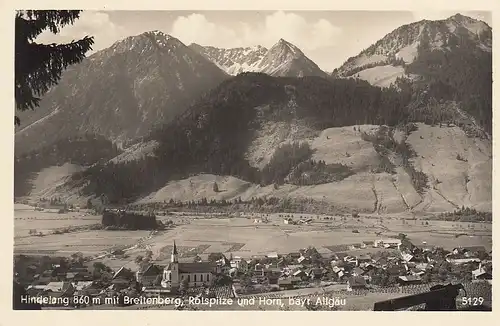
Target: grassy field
(26,219)
(244,237)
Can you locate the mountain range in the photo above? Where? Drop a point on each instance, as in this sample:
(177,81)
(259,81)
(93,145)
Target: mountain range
(170,120)
(121,92)
(282,60)
(382,62)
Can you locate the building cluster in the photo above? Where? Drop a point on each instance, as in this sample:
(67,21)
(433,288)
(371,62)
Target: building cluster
(403,264)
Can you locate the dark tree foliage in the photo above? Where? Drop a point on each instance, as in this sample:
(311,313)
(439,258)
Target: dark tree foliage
(313,172)
(283,160)
(214,133)
(463,75)
(129,220)
(39,66)
(467,214)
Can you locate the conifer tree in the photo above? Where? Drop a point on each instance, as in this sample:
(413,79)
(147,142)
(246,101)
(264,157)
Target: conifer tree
(39,66)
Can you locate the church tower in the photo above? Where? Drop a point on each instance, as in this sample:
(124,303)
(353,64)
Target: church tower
(174,268)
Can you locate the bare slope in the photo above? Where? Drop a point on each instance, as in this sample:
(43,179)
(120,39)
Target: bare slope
(436,155)
(51,182)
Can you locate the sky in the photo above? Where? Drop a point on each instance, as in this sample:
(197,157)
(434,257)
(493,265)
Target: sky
(328,38)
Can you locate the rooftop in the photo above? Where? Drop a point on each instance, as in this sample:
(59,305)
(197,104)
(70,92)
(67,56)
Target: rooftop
(356,281)
(204,267)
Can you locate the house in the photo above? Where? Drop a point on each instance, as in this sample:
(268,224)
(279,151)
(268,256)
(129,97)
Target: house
(356,283)
(422,266)
(337,269)
(272,275)
(291,268)
(460,261)
(366,244)
(281,262)
(259,269)
(364,259)
(294,255)
(426,248)
(239,263)
(388,243)
(408,257)
(367,266)
(315,273)
(301,259)
(71,276)
(233,272)
(416,271)
(382,262)
(288,283)
(223,264)
(357,272)
(395,270)
(124,273)
(338,263)
(46,276)
(409,279)
(272,255)
(481,274)
(192,274)
(60,288)
(80,286)
(149,274)
(340,255)
(122,278)
(307,220)
(470,249)
(298,273)
(272,271)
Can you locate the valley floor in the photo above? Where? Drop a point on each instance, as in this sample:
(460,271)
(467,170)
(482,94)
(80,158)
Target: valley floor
(245,236)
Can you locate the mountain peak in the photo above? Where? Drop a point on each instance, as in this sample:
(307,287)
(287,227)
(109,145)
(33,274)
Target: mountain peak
(160,35)
(286,48)
(282,59)
(459,16)
(403,43)
(283,42)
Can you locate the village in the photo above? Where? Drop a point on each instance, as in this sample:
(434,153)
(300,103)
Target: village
(390,265)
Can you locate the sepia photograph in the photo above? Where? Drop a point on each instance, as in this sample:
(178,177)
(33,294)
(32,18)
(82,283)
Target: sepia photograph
(278,160)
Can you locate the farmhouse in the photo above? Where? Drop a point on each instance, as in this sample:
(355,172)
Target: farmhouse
(356,283)
(366,244)
(239,263)
(481,274)
(409,279)
(288,283)
(148,275)
(387,243)
(194,274)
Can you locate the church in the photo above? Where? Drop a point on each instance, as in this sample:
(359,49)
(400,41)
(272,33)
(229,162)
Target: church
(195,274)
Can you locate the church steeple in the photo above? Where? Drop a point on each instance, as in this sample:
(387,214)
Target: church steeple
(174,255)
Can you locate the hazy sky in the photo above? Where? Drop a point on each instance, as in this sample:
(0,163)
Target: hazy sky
(326,37)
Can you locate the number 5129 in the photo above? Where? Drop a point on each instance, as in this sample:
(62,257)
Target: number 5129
(472,301)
